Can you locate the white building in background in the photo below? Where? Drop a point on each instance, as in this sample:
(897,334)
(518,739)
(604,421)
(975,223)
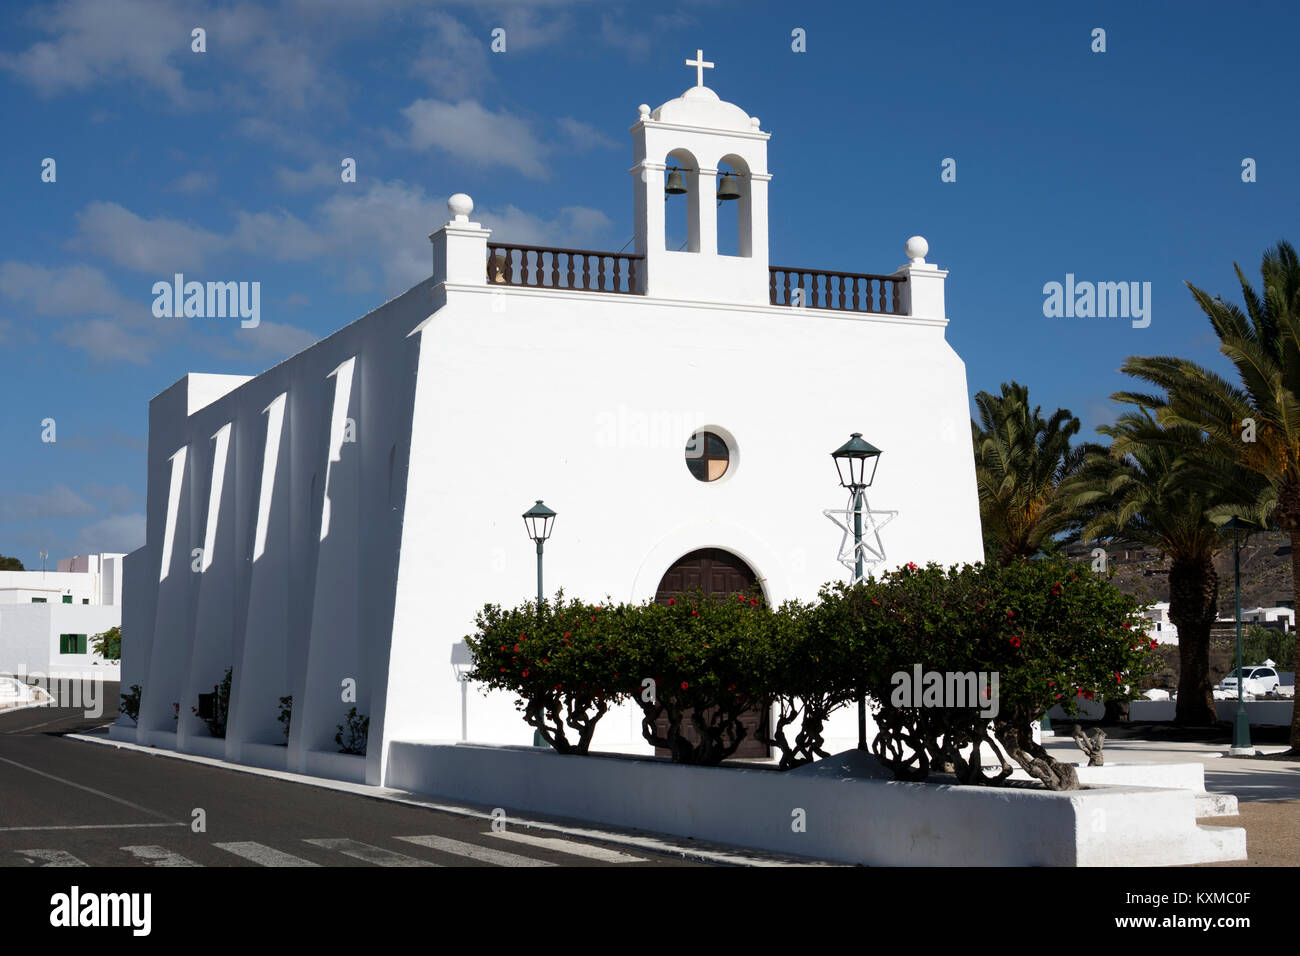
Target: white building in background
(1163,629)
(1281,617)
(332,526)
(48,619)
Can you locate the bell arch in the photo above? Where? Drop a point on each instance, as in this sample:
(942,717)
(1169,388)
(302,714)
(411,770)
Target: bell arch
(682,220)
(742,239)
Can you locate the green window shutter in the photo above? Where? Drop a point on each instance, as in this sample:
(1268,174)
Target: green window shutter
(64,641)
(85,600)
(81,643)
(67,599)
(38,600)
(72,643)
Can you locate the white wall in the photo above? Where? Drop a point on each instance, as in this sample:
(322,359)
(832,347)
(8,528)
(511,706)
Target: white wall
(29,637)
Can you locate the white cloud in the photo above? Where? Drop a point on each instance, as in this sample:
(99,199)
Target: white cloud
(59,501)
(116,533)
(194,181)
(159,247)
(96,41)
(62,291)
(107,341)
(452,59)
(584,136)
(316,176)
(475,135)
(118,498)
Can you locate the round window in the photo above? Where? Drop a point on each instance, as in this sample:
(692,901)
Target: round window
(707,456)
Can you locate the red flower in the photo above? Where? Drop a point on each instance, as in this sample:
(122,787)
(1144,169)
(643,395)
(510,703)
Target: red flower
(503,647)
(615,677)
(740,598)
(695,614)
(503,670)
(1058,696)
(567,633)
(911,565)
(672,601)
(1015,642)
(1127,626)
(525,673)
(1088,694)
(1050,684)
(1154,642)
(731,687)
(1056,588)
(875,602)
(1011,613)
(516,648)
(685,685)
(1118,679)
(753,602)
(557,686)
(593,617)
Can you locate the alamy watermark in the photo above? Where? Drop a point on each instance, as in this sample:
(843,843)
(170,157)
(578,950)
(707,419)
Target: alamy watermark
(211,300)
(1085,300)
(947,689)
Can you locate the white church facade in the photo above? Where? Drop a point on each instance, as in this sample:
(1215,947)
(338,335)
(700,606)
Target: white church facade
(328,529)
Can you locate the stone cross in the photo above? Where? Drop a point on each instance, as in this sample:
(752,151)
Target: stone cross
(700,65)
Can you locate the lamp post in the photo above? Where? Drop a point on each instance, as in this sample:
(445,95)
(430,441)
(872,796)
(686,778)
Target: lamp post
(856,462)
(1241,745)
(462,661)
(538,520)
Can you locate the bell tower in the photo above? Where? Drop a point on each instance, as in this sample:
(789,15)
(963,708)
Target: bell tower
(695,133)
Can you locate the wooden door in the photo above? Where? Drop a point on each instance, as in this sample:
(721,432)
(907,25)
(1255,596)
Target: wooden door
(720,574)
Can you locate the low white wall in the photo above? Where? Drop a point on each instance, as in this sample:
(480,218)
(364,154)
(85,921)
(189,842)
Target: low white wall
(847,819)
(1261,713)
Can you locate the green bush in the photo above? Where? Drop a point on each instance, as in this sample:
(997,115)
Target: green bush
(1029,635)
(566,661)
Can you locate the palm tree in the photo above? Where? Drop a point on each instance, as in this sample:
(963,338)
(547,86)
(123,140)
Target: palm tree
(1159,487)
(1020,461)
(1256,424)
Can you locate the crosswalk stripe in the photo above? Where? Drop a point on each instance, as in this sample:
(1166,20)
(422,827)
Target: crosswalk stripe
(564,846)
(370,854)
(263,855)
(473,852)
(158,856)
(51,857)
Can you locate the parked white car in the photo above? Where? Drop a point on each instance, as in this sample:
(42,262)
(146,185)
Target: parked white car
(1259,680)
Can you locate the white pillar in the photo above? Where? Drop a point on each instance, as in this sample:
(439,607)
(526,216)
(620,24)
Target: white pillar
(460,247)
(922,294)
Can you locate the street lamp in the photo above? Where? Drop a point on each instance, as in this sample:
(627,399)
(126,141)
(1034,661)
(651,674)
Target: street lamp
(856,461)
(1241,745)
(462,661)
(538,520)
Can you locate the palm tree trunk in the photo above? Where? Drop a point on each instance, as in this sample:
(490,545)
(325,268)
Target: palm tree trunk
(1295,666)
(1193,594)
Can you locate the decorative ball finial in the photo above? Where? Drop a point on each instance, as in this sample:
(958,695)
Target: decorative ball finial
(460,206)
(644,111)
(754,123)
(917,249)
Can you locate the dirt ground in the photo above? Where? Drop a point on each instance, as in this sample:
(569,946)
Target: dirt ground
(1272,832)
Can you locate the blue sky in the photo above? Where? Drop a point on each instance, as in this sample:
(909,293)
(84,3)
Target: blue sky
(224,165)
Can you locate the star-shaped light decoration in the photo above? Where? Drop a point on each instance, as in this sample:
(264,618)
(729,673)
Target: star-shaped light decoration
(872,522)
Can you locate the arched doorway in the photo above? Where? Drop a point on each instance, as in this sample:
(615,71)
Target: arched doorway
(720,574)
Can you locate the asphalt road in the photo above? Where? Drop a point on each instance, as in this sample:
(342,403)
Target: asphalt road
(67,803)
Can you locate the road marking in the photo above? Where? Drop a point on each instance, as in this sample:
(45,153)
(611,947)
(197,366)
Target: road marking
(51,857)
(564,846)
(79,786)
(474,852)
(158,856)
(370,854)
(93,826)
(263,855)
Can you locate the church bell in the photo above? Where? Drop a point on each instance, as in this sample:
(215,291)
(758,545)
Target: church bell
(676,185)
(728,188)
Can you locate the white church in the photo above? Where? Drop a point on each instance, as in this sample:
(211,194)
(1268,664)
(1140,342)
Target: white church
(329,528)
